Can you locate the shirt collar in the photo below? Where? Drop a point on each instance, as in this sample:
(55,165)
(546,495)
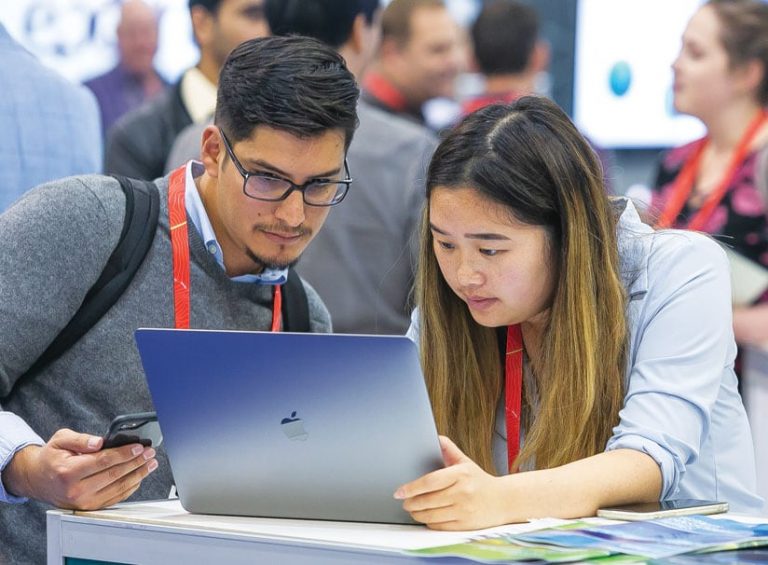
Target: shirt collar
(634,244)
(198,94)
(199,217)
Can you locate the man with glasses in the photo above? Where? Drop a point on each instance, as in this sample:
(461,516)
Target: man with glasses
(273,188)
(272,165)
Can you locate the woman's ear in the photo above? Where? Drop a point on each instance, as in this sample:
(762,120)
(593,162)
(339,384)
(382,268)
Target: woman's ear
(750,75)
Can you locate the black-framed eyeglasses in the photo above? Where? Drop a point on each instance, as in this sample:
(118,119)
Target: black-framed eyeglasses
(271,188)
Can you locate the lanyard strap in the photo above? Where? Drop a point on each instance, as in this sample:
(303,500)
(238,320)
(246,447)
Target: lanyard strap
(177,216)
(385,91)
(687,178)
(277,307)
(513,375)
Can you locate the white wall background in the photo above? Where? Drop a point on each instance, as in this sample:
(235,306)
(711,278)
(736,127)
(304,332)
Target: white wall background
(77,37)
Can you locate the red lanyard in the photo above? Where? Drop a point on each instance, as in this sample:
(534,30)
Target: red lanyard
(513,377)
(687,177)
(277,307)
(177,216)
(385,91)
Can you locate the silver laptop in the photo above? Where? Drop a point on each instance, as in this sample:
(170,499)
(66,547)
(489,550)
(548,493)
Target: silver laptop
(291,425)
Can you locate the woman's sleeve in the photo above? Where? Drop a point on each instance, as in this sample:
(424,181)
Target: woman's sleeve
(682,347)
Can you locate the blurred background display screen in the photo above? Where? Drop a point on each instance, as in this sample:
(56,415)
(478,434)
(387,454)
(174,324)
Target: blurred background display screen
(622,73)
(77,37)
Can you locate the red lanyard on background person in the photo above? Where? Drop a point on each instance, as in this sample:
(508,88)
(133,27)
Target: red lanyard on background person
(513,379)
(177,216)
(687,178)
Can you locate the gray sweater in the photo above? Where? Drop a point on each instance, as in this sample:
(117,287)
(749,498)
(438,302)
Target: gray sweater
(56,241)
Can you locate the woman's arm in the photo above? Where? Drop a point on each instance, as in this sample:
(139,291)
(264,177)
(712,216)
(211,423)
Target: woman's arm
(750,324)
(464,497)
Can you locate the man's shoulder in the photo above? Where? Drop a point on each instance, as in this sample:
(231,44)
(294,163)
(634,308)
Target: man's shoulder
(152,115)
(26,78)
(319,317)
(396,130)
(104,82)
(139,142)
(76,191)
(89,202)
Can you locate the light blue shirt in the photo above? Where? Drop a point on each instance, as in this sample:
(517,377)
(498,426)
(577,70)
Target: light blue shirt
(51,127)
(16,434)
(682,406)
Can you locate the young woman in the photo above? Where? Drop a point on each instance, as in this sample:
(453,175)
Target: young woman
(567,347)
(711,185)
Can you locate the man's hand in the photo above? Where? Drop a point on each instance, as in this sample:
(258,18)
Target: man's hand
(71,471)
(459,497)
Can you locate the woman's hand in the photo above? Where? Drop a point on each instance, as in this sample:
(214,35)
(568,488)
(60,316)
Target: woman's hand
(459,497)
(464,497)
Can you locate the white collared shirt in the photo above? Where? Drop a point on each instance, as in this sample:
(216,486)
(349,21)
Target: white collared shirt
(198,94)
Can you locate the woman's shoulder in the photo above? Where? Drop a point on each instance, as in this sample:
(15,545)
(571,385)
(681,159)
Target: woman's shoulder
(677,257)
(658,257)
(683,244)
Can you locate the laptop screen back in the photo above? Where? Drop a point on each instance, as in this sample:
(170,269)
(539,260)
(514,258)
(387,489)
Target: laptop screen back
(317,426)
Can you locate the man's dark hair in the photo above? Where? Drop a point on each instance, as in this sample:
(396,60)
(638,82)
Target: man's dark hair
(294,84)
(211,5)
(504,35)
(330,21)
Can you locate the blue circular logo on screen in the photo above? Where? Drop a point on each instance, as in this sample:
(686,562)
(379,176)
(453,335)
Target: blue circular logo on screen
(669,103)
(620,78)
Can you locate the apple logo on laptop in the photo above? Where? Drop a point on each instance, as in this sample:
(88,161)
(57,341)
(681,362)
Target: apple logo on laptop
(293,428)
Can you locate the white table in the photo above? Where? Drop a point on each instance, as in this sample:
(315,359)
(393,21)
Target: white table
(163,533)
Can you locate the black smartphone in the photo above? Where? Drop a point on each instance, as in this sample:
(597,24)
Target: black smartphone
(134,428)
(663,508)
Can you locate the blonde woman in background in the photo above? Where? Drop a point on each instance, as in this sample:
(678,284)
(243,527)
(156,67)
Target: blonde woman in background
(712,184)
(575,357)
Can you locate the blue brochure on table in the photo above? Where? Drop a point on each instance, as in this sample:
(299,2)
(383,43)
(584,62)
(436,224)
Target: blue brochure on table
(656,538)
(628,542)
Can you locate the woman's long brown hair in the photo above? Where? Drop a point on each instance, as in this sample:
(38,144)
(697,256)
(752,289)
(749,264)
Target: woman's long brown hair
(530,158)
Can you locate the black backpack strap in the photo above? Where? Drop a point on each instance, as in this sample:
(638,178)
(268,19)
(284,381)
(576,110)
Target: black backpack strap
(142,208)
(295,304)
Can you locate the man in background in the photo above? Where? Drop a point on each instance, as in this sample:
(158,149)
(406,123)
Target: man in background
(362,264)
(419,59)
(139,143)
(41,116)
(510,53)
(134,79)
(507,51)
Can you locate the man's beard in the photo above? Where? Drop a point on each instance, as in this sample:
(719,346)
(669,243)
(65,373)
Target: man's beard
(270,264)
